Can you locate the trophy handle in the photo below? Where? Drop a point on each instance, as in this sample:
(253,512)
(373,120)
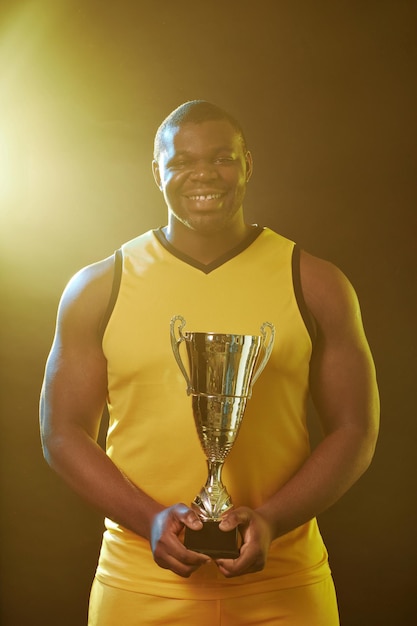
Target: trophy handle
(175,343)
(268,349)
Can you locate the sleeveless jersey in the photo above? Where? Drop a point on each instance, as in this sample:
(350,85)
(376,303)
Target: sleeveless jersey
(152,437)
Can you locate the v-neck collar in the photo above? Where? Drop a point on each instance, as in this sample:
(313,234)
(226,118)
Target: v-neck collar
(247,241)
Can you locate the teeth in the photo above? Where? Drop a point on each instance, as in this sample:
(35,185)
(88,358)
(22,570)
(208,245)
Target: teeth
(210,196)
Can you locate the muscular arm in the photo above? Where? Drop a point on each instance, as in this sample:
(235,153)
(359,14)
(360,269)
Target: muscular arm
(344,390)
(72,402)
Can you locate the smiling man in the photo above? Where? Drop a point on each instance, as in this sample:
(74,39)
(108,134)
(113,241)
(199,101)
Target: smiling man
(112,345)
(202,170)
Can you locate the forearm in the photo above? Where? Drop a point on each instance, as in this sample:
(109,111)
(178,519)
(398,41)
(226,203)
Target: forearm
(86,468)
(332,468)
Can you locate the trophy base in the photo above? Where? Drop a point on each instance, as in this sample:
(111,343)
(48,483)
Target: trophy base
(212,541)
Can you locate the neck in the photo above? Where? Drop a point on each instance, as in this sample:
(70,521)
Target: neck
(205,247)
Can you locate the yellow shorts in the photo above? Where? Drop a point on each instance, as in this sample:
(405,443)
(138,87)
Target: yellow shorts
(310,605)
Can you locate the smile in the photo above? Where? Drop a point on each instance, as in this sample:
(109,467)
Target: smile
(203,198)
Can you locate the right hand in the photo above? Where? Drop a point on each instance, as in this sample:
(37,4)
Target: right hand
(168,550)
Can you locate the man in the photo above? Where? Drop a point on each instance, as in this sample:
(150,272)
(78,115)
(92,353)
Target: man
(112,343)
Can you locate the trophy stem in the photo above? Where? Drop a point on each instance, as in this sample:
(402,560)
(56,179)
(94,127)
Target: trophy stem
(213,499)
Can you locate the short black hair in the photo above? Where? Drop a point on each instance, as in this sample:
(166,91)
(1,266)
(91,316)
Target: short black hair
(195,111)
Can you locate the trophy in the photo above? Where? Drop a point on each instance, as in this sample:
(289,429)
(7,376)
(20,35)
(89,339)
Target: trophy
(222,371)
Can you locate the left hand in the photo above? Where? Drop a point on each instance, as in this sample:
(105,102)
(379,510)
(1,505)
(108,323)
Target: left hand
(256,536)
(168,550)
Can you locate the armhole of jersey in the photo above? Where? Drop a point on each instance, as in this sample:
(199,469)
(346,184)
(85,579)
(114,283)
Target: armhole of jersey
(117,277)
(299,296)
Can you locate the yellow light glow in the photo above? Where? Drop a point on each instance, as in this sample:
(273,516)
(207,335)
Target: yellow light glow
(21,32)
(5,166)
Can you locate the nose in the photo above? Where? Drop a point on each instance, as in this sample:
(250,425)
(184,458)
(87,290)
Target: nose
(204,171)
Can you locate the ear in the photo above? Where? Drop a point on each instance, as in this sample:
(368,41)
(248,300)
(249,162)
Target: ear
(156,174)
(249,165)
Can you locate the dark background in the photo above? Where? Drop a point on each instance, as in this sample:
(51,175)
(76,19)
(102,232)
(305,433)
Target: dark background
(327,94)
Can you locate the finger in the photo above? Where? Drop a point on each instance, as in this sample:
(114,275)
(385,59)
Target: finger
(234,518)
(172,520)
(174,556)
(183,515)
(231,568)
(250,560)
(192,521)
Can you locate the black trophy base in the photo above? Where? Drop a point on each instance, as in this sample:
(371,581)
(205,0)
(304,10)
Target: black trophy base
(212,541)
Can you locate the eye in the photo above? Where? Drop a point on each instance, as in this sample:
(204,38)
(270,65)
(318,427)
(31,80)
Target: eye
(221,160)
(179,164)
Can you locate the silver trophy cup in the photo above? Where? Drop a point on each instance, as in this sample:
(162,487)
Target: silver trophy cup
(222,369)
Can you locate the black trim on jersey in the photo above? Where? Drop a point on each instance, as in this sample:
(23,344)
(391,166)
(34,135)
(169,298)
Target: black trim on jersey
(299,296)
(256,231)
(253,234)
(117,277)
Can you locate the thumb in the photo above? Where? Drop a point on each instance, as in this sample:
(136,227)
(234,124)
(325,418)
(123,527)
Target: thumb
(234,518)
(192,520)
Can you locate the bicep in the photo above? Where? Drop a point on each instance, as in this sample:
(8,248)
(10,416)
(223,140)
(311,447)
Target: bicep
(342,372)
(75,383)
(343,384)
(74,390)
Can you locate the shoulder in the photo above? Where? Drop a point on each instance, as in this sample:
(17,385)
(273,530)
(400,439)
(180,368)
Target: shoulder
(328,293)
(86,296)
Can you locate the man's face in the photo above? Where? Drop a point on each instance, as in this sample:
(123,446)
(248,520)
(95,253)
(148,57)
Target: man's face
(202,172)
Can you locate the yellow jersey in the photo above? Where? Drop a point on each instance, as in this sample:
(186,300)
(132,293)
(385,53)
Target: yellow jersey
(152,436)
